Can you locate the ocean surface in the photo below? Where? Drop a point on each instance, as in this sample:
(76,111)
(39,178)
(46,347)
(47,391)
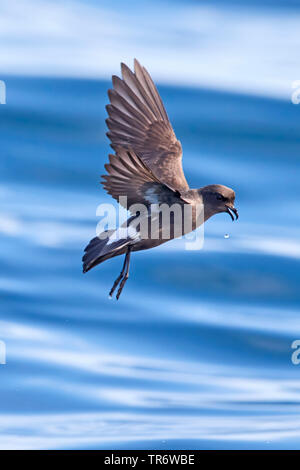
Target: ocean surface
(197,352)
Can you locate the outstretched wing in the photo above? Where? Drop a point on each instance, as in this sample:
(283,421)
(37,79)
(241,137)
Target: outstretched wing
(128,176)
(138,121)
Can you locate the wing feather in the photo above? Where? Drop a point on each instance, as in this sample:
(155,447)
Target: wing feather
(137,121)
(128,176)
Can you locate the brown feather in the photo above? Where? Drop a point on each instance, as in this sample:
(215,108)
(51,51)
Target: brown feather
(138,121)
(127,175)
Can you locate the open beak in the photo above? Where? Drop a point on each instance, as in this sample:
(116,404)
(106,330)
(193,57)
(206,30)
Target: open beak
(232,210)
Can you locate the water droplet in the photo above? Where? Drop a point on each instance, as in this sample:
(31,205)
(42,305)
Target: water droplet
(226,235)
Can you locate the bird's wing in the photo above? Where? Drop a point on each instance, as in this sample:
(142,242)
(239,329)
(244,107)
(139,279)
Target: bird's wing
(138,121)
(128,176)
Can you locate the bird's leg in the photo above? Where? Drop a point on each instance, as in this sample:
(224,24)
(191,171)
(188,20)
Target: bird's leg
(119,277)
(126,276)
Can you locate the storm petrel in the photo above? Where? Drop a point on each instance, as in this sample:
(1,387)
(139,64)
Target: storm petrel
(146,170)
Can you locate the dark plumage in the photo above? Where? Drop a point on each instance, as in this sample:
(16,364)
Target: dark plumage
(146,169)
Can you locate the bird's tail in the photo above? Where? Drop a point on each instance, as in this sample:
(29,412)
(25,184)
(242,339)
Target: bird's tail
(102,248)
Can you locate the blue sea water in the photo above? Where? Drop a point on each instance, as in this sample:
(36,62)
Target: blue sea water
(197,352)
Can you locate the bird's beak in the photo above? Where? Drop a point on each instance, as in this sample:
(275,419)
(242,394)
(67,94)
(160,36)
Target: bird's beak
(232,210)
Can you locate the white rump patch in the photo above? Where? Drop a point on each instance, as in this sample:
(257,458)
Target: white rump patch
(123,233)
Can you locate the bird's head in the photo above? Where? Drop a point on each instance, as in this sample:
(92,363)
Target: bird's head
(218,198)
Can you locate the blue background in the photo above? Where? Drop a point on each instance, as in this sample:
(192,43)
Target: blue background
(197,352)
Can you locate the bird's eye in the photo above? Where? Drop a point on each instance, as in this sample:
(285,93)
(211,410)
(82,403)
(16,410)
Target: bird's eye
(220,197)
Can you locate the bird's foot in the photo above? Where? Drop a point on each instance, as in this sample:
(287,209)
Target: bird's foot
(122,285)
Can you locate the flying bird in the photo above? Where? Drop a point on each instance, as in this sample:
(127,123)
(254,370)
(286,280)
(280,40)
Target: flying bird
(146,170)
